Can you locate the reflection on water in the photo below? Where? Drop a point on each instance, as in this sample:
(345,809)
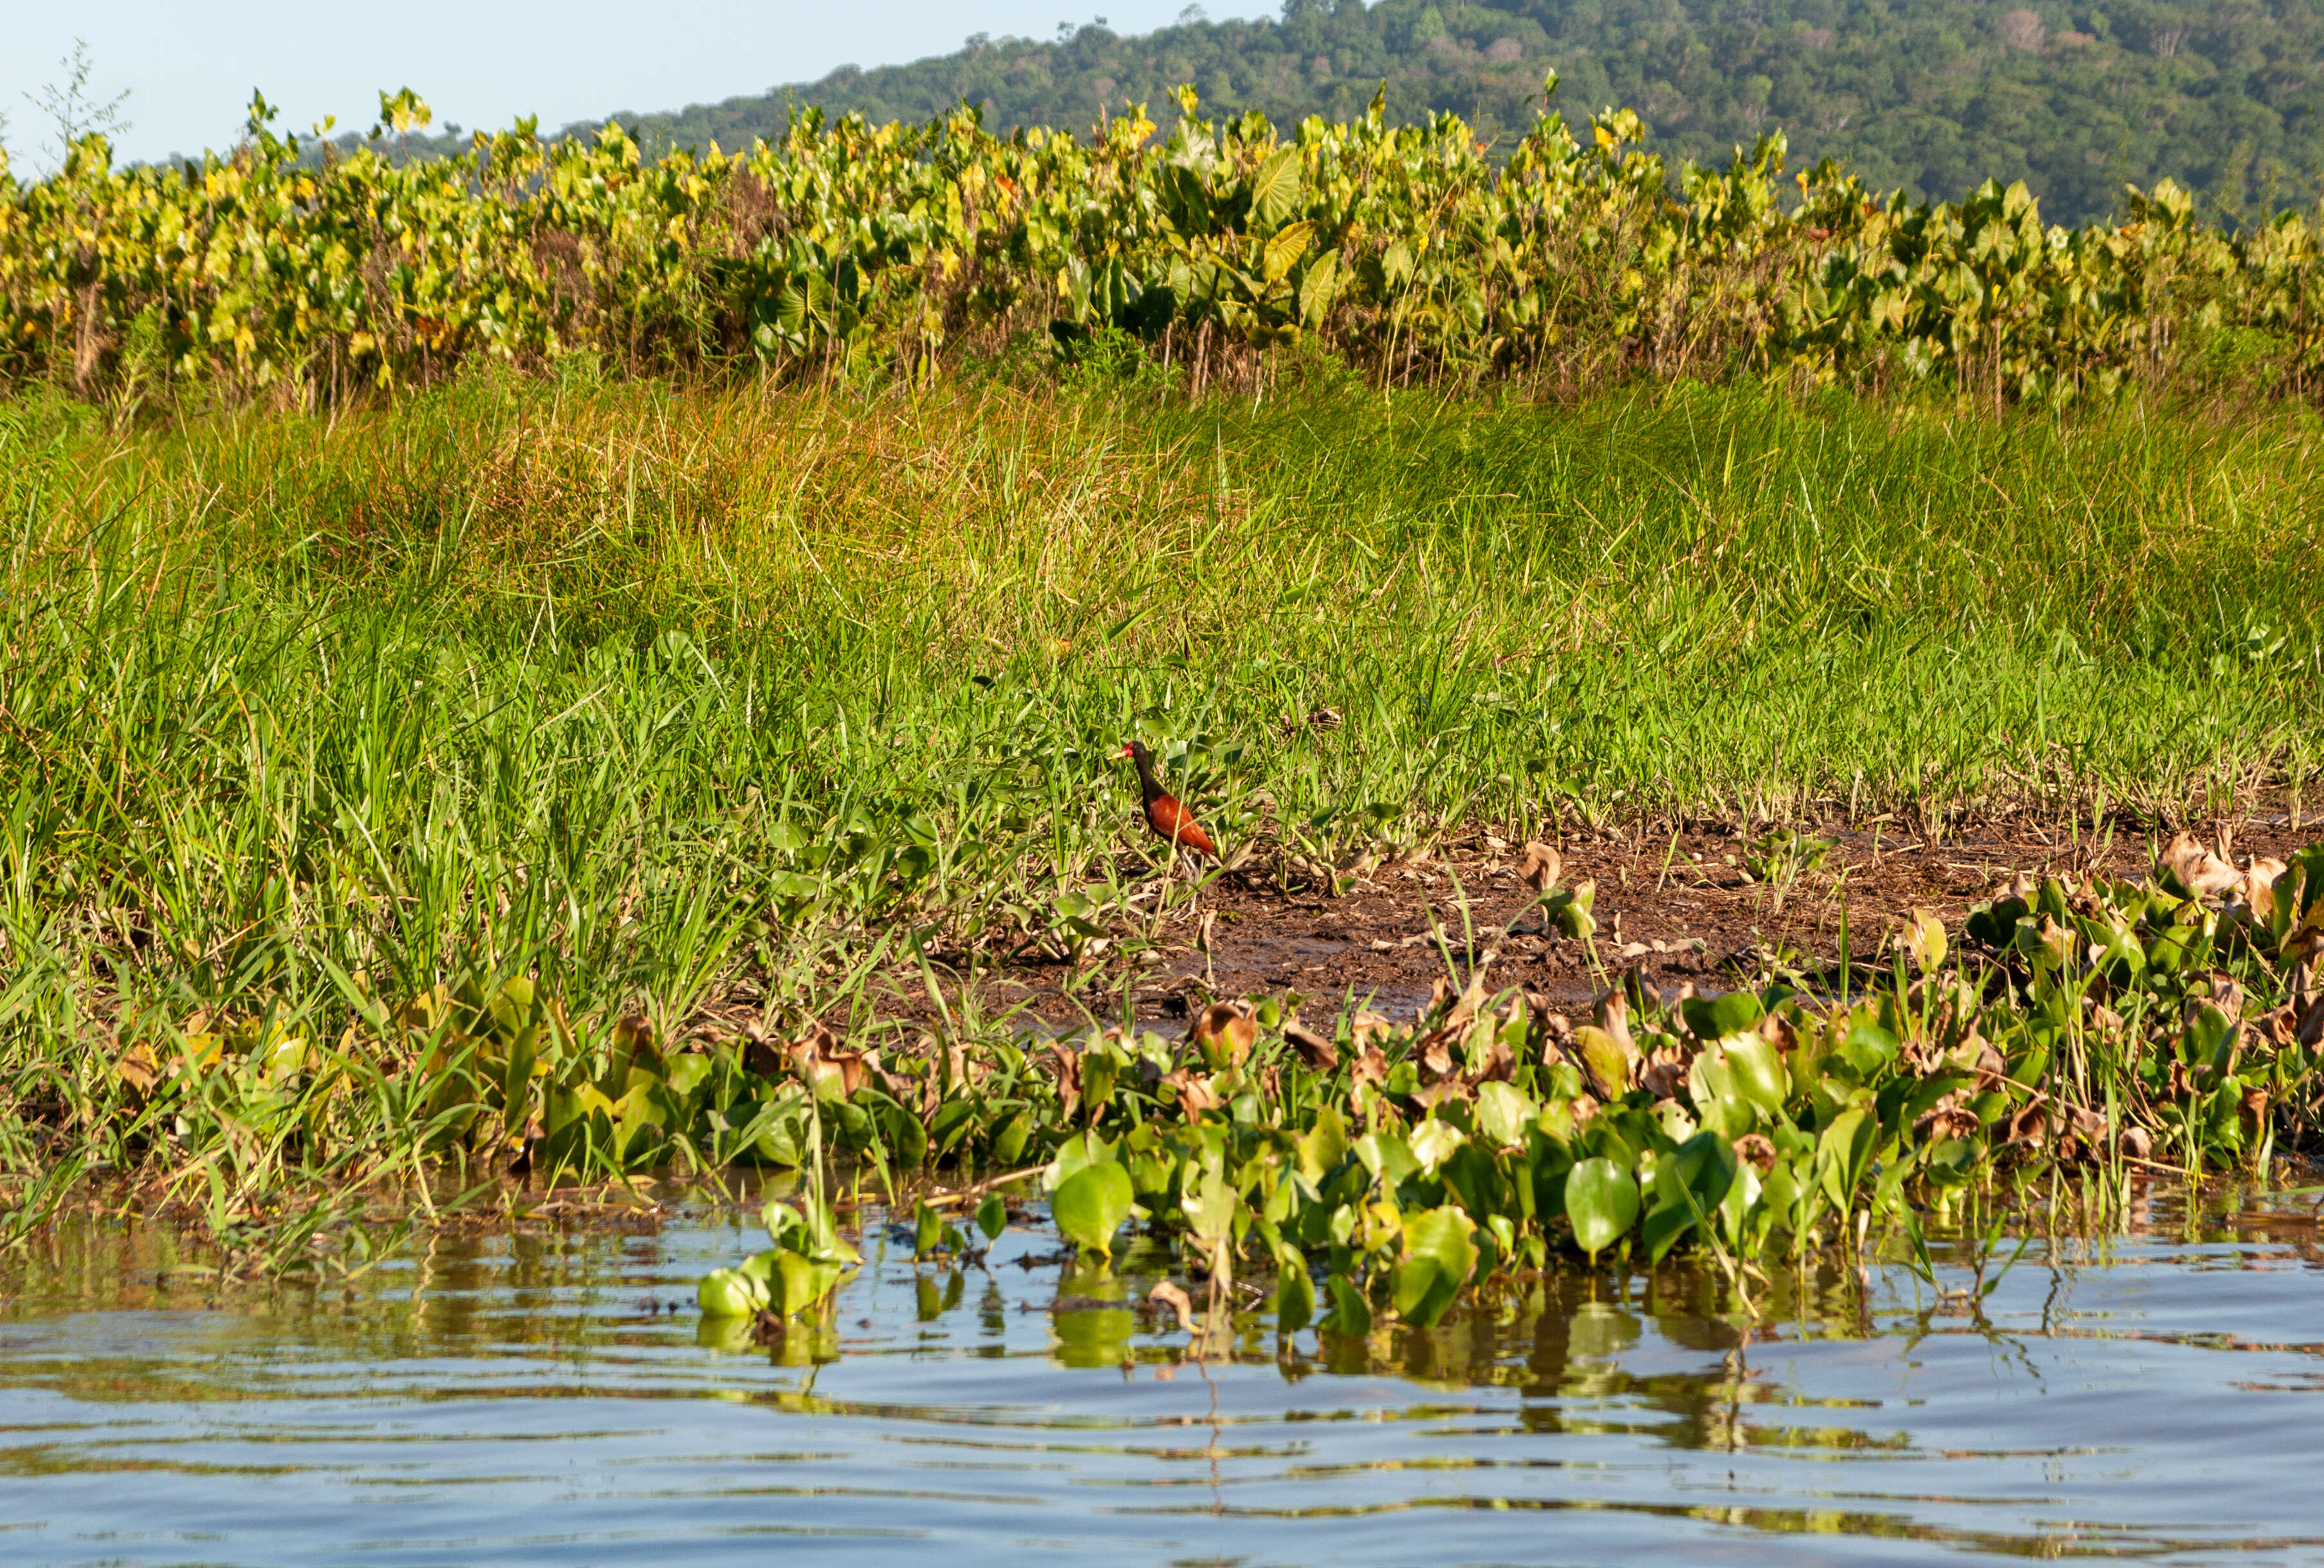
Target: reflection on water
(529,1397)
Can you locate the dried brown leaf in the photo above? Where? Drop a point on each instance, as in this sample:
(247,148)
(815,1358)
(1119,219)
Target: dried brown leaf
(1539,866)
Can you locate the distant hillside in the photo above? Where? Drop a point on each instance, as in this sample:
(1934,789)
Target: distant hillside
(1930,95)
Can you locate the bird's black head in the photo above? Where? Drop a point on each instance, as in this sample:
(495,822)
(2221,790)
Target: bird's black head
(1136,751)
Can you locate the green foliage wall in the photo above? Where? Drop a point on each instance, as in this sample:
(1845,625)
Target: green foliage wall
(850,248)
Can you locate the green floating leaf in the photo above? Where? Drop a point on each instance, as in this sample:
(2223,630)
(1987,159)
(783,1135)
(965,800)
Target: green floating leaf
(1352,1314)
(800,1282)
(1504,1113)
(928,1230)
(1442,1255)
(1758,1073)
(1090,1204)
(1601,1200)
(992,1216)
(1844,1156)
(730,1293)
(1690,1183)
(1295,1296)
(1324,1145)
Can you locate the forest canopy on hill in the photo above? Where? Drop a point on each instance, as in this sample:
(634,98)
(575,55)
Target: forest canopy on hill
(1931,96)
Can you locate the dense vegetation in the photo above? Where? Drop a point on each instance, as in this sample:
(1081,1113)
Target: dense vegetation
(857,251)
(379,789)
(1932,96)
(2085,1027)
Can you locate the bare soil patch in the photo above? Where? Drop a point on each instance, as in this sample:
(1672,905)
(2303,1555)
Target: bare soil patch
(1673,901)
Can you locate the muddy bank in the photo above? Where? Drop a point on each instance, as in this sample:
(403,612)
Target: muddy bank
(1703,903)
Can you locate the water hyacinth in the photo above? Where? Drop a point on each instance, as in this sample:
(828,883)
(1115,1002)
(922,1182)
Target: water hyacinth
(2166,1021)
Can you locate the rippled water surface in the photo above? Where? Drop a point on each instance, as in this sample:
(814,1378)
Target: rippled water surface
(523,1397)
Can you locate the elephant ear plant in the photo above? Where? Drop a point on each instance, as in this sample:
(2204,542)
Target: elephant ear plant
(874,251)
(1380,1175)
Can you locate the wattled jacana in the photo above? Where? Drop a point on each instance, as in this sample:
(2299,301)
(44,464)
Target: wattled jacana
(1164,813)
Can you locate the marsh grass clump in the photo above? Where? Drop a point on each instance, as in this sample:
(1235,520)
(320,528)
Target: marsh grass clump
(451,784)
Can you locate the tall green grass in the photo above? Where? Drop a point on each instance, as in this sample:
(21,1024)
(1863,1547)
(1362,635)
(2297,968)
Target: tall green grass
(667,697)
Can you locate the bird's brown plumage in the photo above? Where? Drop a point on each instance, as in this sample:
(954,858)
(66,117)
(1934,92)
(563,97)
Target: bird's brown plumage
(1164,812)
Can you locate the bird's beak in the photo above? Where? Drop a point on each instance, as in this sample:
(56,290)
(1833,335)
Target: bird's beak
(1127,752)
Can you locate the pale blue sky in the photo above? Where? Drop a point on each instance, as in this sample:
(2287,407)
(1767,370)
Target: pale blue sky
(189,67)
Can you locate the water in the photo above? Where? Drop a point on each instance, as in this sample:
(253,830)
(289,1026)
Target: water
(521,1398)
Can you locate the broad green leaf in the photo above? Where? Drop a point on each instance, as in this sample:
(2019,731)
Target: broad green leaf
(800,1282)
(1601,1200)
(1433,1143)
(1275,191)
(1295,1296)
(927,1230)
(1844,1157)
(730,1293)
(1324,1145)
(1318,291)
(1441,1254)
(1284,248)
(1758,1073)
(1352,1314)
(1504,1113)
(1091,1206)
(1608,1063)
(1210,1207)
(1690,1183)
(992,1216)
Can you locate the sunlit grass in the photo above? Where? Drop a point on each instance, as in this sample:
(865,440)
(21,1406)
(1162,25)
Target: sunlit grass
(655,695)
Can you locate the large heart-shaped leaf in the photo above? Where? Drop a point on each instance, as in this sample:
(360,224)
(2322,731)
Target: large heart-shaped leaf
(1440,1257)
(1601,1200)
(1090,1204)
(1275,191)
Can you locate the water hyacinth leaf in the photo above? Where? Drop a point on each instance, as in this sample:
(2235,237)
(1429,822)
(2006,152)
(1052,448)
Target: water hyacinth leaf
(1386,1157)
(1440,1254)
(1756,1069)
(800,1282)
(1609,1064)
(1099,1070)
(1719,1103)
(1504,1113)
(1602,1201)
(992,1216)
(1010,1136)
(1690,1183)
(1569,911)
(927,1230)
(1433,1143)
(1091,1206)
(1922,942)
(1867,1047)
(1844,1157)
(1324,1145)
(730,1293)
(1210,1207)
(1352,1314)
(1741,1207)
(781,1221)
(1295,1295)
